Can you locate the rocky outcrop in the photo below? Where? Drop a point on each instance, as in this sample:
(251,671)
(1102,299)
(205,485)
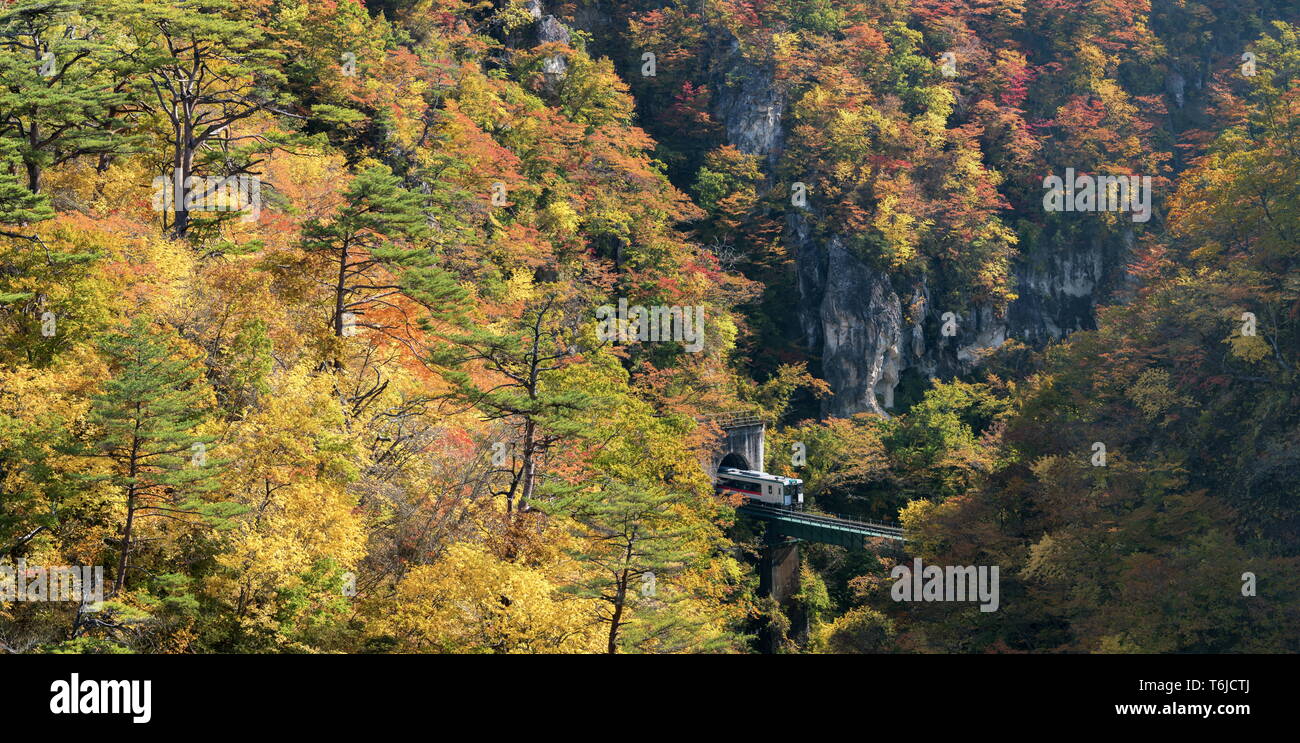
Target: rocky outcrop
(550,30)
(862,324)
(865,328)
(1058,292)
(747,102)
(857,324)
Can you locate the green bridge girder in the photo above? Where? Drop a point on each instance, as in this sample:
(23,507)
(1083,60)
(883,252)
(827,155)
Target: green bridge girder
(816,528)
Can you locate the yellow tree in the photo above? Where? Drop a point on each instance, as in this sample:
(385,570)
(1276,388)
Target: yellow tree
(281,567)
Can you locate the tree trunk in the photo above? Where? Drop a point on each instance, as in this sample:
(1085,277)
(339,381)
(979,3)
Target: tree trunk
(616,621)
(340,303)
(120,583)
(34,139)
(183,164)
(33,172)
(131,470)
(530,462)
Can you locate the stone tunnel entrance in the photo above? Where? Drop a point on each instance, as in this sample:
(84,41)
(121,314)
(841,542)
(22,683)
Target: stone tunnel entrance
(778,565)
(732,459)
(742,446)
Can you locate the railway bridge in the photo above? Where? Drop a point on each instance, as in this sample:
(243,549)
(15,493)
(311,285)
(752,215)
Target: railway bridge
(743,447)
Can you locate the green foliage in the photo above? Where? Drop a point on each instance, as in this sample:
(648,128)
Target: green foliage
(860,631)
(636,550)
(60,84)
(425,447)
(88,646)
(145,424)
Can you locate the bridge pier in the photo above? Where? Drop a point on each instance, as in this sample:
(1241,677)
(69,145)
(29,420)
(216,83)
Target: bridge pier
(778,578)
(778,575)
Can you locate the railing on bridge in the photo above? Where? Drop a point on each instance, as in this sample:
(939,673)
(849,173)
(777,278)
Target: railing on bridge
(818,528)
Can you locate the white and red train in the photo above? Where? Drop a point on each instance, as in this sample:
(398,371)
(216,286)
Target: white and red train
(760,486)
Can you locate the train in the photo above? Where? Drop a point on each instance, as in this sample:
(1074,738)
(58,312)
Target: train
(760,486)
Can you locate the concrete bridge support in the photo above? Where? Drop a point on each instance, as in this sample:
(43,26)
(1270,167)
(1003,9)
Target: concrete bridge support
(778,575)
(778,578)
(778,571)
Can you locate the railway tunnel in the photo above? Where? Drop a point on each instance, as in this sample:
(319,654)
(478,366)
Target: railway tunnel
(742,447)
(742,443)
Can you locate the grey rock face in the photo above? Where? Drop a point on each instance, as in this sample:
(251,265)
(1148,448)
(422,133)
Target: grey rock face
(858,323)
(550,30)
(862,331)
(748,105)
(1174,86)
(855,317)
(1057,294)
(851,314)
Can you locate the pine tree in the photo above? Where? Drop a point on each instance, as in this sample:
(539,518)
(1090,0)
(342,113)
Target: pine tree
(370,245)
(145,420)
(61,84)
(210,66)
(519,358)
(18,206)
(635,545)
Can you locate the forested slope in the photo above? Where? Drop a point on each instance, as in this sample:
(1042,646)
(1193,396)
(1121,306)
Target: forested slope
(301,339)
